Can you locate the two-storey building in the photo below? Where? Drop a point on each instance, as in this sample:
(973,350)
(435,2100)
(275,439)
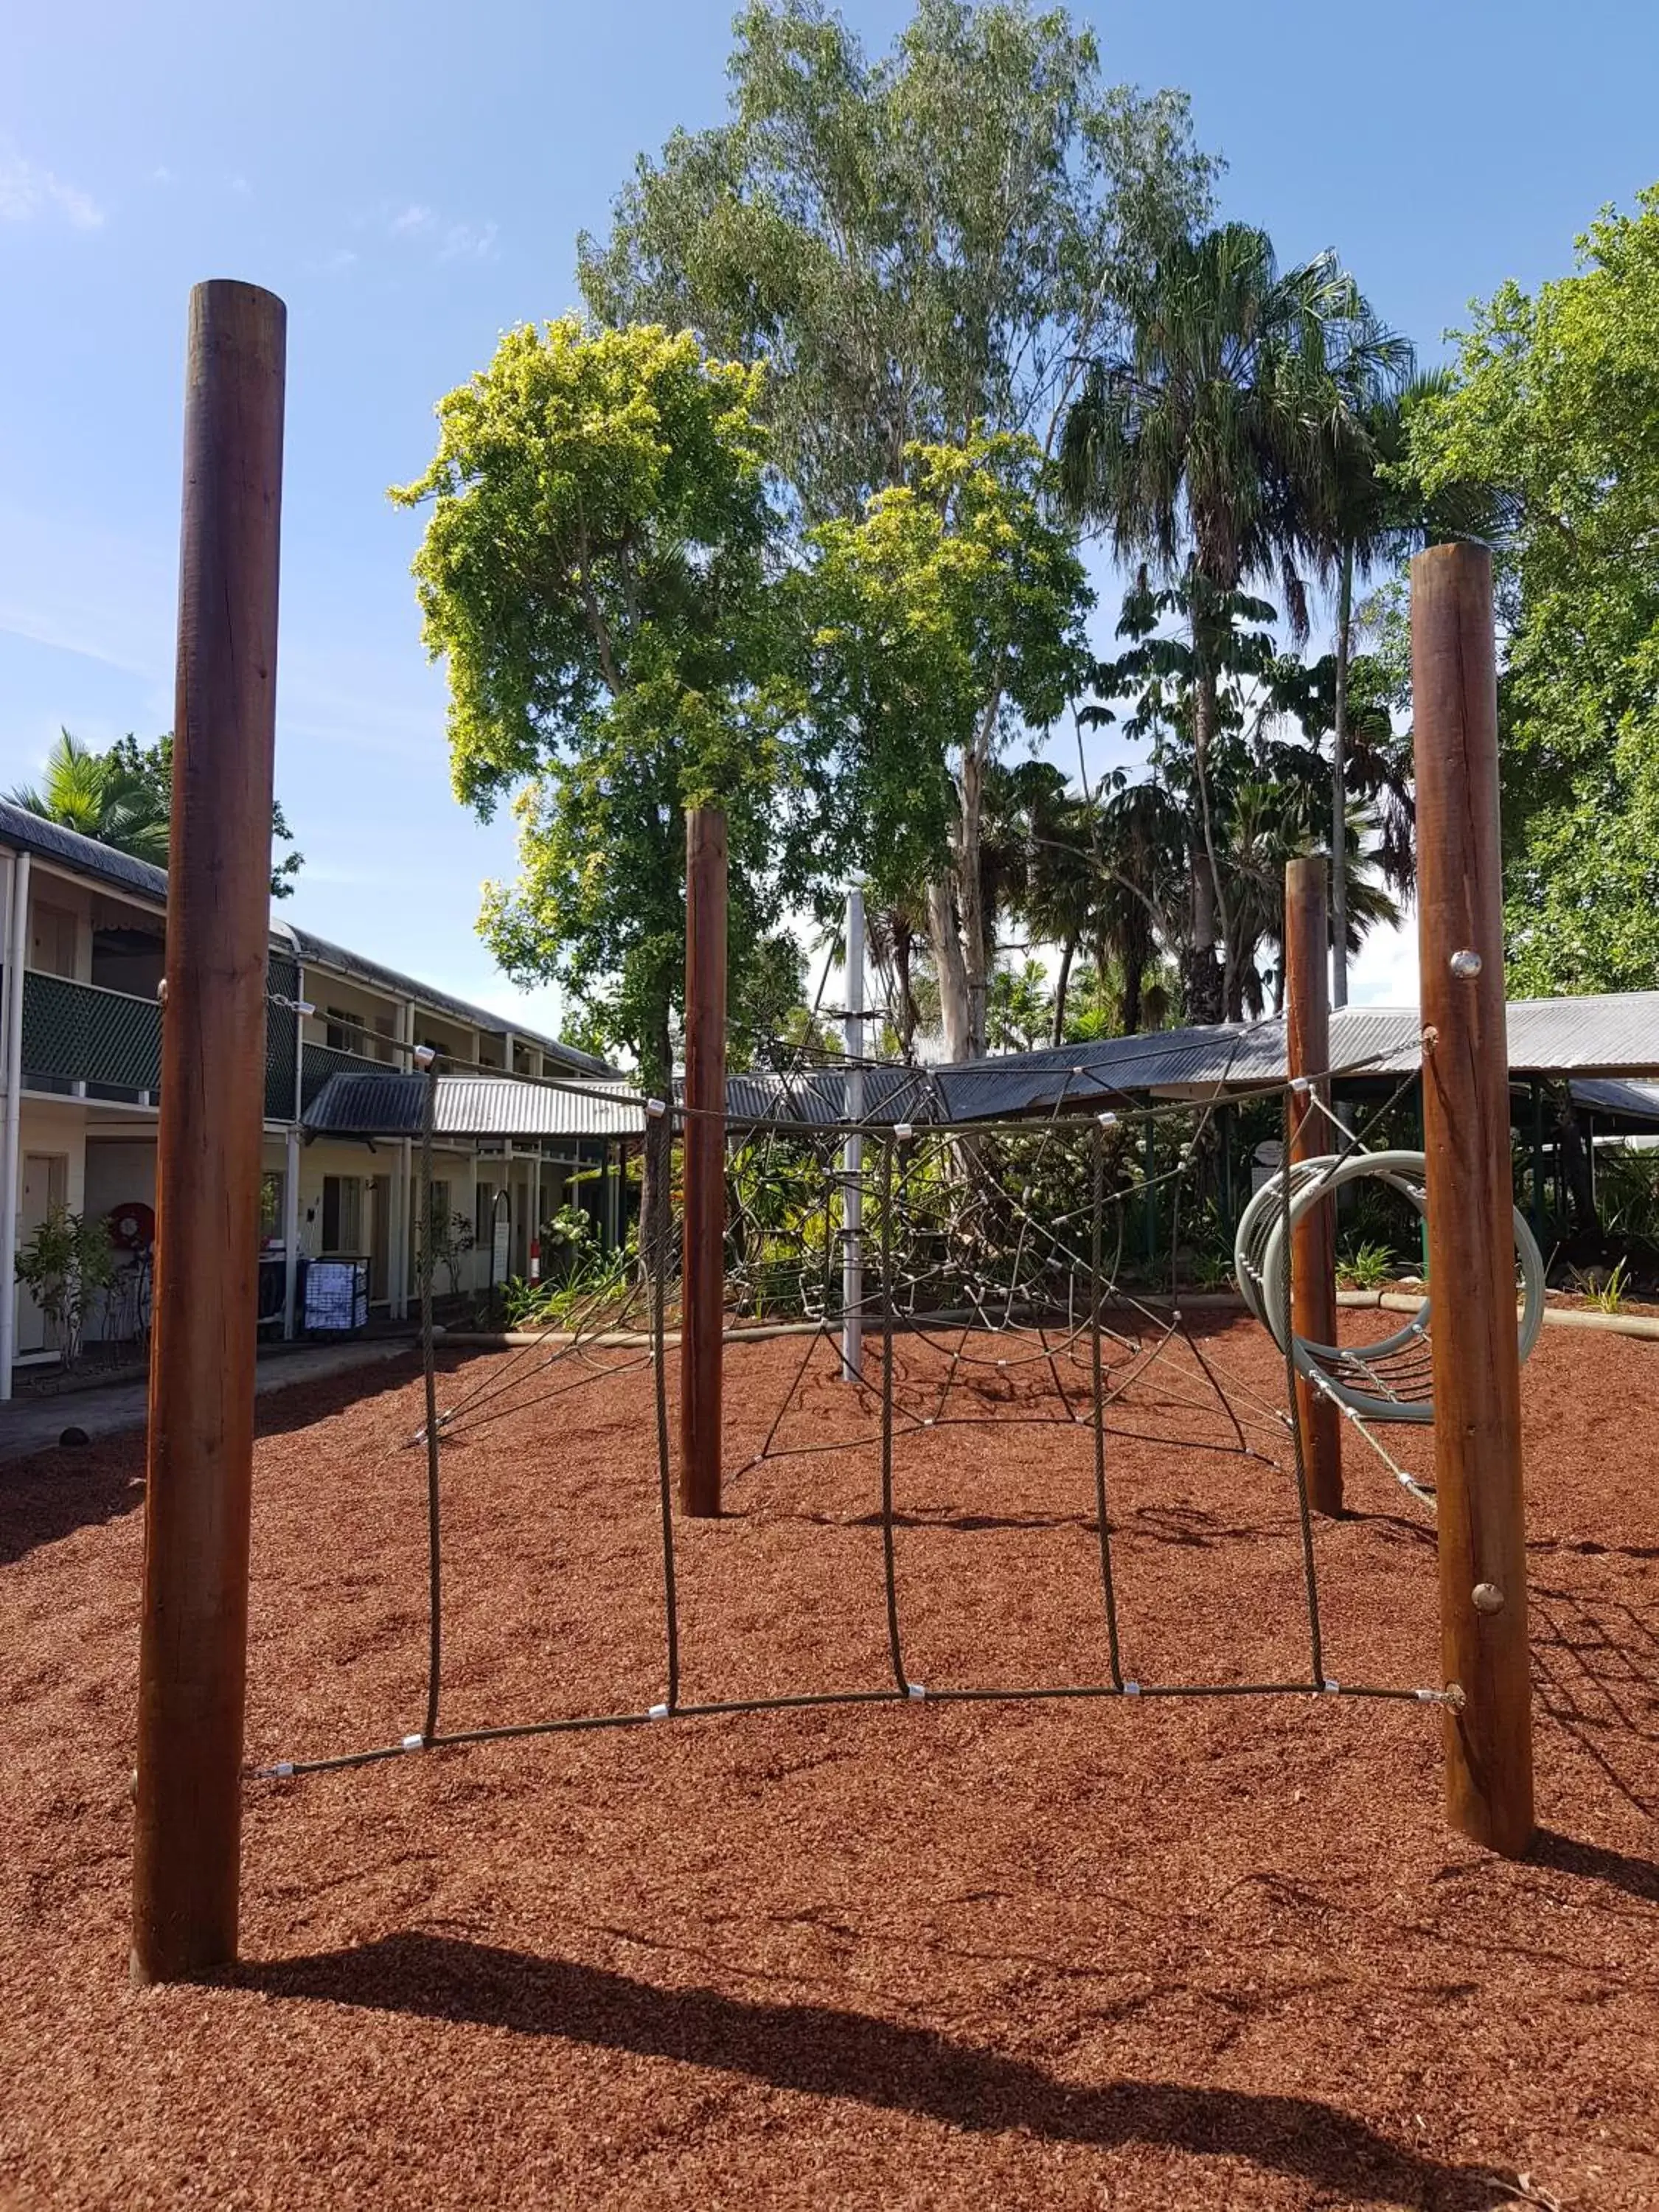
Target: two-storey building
(85,930)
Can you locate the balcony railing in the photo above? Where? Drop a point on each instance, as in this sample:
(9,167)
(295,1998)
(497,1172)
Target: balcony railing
(318,1061)
(110,1041)
(81,1033)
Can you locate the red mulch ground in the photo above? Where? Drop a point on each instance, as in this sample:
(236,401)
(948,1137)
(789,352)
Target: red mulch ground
(1154,1955)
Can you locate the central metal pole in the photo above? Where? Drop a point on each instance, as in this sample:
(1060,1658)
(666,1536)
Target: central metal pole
(852,1158)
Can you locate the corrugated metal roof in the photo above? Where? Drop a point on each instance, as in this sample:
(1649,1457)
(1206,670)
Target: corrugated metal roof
(1636,1101)
(393,1104)
(1613,1036)
(818,1096)
(1606,1037)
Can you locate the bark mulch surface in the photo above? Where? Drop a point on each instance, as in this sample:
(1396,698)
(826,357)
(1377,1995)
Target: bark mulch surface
(1150,1953)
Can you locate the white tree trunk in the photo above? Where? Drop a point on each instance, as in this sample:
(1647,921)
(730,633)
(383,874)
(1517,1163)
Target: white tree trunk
(945,937)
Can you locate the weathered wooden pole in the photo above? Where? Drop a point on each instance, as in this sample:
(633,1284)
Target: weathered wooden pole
(192,1647)
(703,1267)
(1313,1241)
(1466,1138)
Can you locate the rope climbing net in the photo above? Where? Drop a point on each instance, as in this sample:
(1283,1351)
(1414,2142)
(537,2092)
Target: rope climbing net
(1021,1272)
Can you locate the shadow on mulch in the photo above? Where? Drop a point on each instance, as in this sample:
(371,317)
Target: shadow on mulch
(55,1491)
(817,2051)
(1590,1862)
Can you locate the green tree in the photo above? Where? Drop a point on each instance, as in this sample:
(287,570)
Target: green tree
(1020,1007)
(922,247)
(917,245)
(596,572)
(948,617)
(1556,406)
(1202,441)
(124,797)
(1373,511)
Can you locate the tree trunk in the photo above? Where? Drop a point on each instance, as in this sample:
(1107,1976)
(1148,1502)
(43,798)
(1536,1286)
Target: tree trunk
(1204,983)
(1130,1022)
(944,935)
(1339,789)
(1201,974)
(899,930)
(1575,1163)
(1067,954)
(970,889)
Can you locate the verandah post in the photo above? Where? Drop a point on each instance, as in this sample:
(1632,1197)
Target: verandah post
(1466,1118)
(193,1639)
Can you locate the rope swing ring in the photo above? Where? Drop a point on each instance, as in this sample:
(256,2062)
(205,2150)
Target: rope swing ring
(1390,1379)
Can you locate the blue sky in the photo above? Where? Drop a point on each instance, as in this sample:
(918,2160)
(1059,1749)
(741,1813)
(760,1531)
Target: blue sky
(412,179)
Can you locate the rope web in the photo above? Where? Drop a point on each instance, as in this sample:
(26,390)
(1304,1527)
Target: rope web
(1002,1273)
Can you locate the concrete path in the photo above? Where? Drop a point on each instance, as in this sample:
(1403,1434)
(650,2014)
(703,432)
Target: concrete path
(33,1425)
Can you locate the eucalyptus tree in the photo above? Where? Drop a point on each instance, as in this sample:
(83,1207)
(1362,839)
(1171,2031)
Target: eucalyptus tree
(923,245)
(947,618)
(597,574)
(1201,443)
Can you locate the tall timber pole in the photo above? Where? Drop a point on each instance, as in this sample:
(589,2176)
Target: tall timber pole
(1479,1515)
(193,1638)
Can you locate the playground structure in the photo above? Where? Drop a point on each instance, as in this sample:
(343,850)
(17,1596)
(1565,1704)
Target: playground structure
(1392,1378)
(1020,1225)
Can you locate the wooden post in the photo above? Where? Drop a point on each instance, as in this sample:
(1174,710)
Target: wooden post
(703,1267)
(1313,1242)
(193,1648)
(1466,1117)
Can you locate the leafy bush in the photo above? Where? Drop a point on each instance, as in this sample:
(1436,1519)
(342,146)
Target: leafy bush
(68,1260)
(1364,1266)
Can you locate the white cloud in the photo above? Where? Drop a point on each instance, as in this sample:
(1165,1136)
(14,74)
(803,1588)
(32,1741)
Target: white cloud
(29,193)
(1385,973)
(448,240)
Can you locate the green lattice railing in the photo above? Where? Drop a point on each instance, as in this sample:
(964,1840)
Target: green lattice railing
(282,1036)
(318,1061)
(83,1033)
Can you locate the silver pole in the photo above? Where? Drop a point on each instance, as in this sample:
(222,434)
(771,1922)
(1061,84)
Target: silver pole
(17,943)
(852,1251)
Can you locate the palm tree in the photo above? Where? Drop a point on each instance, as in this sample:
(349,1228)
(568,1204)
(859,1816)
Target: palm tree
(1203,440)
(1369,514)
(1268,824)
(99,795)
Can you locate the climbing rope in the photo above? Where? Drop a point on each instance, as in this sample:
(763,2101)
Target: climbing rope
(1008,1219)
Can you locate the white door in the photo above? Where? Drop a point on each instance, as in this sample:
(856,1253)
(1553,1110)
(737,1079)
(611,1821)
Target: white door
(45,1185)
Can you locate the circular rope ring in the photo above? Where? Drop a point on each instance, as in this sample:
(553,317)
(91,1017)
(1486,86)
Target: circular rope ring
(1343,1372)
